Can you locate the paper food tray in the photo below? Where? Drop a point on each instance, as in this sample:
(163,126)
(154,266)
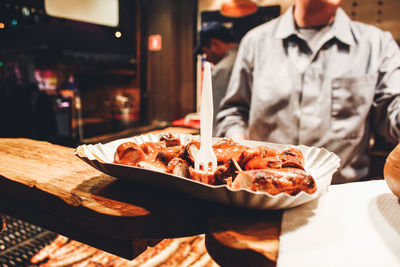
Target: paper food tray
(319,162)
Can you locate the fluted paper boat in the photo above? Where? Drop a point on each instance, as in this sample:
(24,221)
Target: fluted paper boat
(319,162)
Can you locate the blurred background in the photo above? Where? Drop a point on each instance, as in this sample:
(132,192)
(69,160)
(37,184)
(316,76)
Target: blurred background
(71,80)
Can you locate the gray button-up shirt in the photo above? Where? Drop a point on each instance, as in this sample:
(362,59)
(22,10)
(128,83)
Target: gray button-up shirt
(281,91)
(221,74)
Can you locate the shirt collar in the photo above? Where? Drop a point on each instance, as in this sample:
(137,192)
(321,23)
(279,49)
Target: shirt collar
(231,50)
(286,26)
(341,27)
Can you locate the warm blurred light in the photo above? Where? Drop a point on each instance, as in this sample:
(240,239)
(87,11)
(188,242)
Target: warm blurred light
(25,11)
(118,34)
(2,25)
(14,22)
(103,12)
(155,42)
(238,8)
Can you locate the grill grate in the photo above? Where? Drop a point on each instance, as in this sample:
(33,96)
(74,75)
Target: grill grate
(20,241)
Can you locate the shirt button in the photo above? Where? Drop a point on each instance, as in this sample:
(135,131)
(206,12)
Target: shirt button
(335,84)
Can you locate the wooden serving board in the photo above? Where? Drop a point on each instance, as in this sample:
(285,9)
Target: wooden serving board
(48,185)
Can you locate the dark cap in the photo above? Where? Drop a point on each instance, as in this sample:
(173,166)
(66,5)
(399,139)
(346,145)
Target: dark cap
(211,30)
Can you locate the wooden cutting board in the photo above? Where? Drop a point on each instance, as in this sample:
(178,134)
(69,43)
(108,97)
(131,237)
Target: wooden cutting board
(48,185)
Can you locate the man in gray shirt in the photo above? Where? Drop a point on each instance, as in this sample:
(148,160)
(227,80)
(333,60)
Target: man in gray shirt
(314,77)
(217,43)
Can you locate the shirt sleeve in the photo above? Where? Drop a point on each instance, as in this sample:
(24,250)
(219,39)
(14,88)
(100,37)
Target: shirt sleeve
(220,80)
(233,115)
(386,105)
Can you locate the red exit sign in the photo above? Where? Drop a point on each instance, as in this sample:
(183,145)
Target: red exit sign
(155,42)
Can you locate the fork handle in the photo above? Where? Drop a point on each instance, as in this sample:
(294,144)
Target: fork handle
(206,109)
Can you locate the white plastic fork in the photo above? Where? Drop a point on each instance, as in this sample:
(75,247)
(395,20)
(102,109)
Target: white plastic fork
(206,157)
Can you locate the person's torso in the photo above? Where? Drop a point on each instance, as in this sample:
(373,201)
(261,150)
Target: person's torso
(321,98)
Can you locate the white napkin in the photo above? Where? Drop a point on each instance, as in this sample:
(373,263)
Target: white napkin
(355,224)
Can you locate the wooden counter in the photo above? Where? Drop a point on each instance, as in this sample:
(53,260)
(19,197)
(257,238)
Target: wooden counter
(49,186)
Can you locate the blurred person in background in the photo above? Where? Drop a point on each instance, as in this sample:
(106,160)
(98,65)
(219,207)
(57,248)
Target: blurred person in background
(16,110)
(43,113)
(217,44)
(315,77)
(25,110)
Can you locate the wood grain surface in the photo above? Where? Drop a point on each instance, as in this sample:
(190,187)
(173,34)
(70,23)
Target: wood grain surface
(243,237)
(103,199)
(48,185)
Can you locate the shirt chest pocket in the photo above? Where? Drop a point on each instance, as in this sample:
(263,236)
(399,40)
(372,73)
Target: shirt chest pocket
(352,96)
